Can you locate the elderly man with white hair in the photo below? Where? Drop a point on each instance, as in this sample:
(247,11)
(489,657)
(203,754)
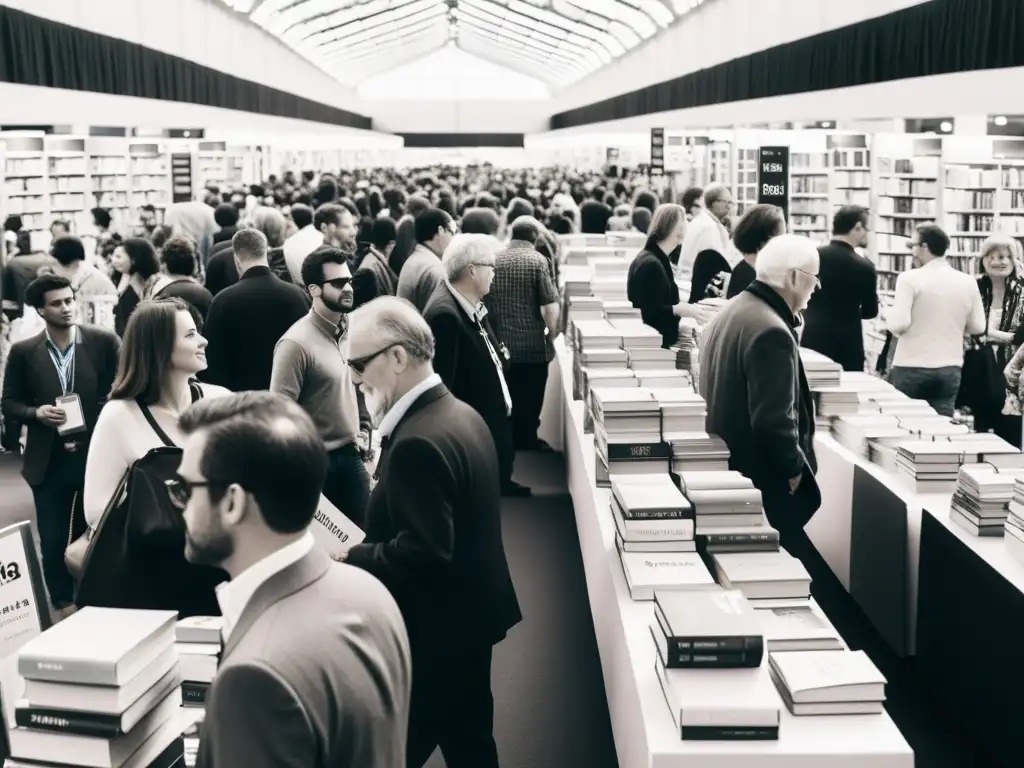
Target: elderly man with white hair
(469,356)
(757,395)
(708,232)
(433,531)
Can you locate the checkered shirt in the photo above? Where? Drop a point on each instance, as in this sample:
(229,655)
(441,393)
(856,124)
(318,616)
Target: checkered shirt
(522,285)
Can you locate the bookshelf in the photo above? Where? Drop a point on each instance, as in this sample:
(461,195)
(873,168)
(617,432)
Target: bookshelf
(150,169)
(810,211)
(23,191)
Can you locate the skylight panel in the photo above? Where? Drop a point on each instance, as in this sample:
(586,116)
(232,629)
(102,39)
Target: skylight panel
(380,15)
(624,34)
(367,37)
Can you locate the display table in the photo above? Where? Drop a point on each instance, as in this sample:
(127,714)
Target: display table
(969,620)
(645,736)
(868,530)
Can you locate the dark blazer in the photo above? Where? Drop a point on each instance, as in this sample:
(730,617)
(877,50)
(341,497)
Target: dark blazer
(651,288)
(31,381)
(848,295)
(759,402)
(340,697)
(221,271)
(433,526)
(373,278)
(244,325)
(464,363)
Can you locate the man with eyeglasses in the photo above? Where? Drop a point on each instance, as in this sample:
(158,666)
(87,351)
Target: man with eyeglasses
(311,368)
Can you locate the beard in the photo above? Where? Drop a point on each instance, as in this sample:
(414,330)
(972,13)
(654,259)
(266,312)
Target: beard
(216,547)
(378,405)
(341,304)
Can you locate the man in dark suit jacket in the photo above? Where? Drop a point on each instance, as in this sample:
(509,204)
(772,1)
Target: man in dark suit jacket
(247,319)
(757,396)
(316,670)
(433,533)
(469,357)
(848,295)
(66,359)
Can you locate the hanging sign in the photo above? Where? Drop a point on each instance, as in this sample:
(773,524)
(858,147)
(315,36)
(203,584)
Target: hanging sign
(657,152)
(773,177)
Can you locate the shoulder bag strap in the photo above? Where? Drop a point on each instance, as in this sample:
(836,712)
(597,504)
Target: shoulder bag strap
(196,390)
(156,427)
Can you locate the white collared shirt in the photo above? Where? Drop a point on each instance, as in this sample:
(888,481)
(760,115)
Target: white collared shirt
(234,595)
(478,313)
(399,409)
(297,247)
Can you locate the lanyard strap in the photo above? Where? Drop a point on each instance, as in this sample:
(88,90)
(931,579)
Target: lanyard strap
(64,363)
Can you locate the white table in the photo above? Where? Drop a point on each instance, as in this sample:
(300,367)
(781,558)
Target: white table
(645,735)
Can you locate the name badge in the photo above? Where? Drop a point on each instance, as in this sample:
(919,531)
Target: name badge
(75,418)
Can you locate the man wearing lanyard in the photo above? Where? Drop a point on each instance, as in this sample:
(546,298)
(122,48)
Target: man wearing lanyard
(56,383)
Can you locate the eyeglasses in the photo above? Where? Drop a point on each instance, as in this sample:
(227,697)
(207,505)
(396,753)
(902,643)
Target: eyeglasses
(912,245)
(339,282)
(179,490)
(359,364)
(817,280)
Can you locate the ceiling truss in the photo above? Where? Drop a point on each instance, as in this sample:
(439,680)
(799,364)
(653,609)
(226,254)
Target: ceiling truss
(556,41)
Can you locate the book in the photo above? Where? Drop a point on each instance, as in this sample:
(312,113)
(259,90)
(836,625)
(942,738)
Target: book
(797,628)
(721,704)
(98,724)
(108,700)
(199,629)
(332,531)
(650,529)
(197,662)
(647,571)
(763,575)
(653,545)
(655,498)
(90,751)
(193,693)
(164,749)
(97,646)
(695,625)
(742,538)
(828,682)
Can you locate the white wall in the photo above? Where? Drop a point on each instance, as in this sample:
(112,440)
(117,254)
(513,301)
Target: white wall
(716,32)
(460,116)
(995,91)
(33,105)
(204,31)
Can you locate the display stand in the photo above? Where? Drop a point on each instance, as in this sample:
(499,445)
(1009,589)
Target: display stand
(970,611)
(645,736)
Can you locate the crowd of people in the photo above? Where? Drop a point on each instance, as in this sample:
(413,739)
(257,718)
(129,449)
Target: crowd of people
(259,337)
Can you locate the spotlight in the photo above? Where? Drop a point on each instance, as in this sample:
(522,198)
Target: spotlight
(1000,120)
(945,126)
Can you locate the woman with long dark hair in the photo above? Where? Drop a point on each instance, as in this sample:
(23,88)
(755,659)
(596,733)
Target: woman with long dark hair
(134,260)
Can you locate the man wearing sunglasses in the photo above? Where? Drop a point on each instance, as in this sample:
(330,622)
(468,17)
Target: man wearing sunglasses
(311,368)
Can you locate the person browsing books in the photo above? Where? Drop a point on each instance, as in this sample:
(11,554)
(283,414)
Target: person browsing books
(316,669)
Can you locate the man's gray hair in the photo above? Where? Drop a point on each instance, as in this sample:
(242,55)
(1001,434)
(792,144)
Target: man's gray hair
(783,254)
(393,322)
(714,193)
(464,250)
(249,245)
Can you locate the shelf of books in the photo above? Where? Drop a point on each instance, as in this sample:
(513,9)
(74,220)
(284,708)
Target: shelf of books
(23,190)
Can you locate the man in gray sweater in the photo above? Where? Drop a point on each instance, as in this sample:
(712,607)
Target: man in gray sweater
(311,368)
(316,668)
(422,272)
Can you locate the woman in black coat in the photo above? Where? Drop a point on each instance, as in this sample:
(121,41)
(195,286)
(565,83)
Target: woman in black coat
(651,285)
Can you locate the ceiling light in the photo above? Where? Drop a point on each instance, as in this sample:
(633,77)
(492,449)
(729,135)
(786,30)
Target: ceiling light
(946,127)
(1000,120)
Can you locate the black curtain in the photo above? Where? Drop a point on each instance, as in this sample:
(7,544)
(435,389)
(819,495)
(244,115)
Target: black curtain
(431,140)
(37,51)
(934,38)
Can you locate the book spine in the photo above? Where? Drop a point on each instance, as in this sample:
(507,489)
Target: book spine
(79,723)
(64,671)
(193,694)
(658,514)
(637,451)
(732,539)
(712,660)
(729,733)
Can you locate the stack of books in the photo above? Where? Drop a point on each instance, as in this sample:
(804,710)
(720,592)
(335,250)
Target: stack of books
(929,466)
(650,358)
(698,452)
(685,348)
(582,307)
(102,689)
(636,336)
(763,575)
(585,361)
(986,448)
(651,515)
(609,284)
(798,627)
(198,642)
(595,334)
(627,434)
(1013,532)
(664,377)
(857,432)
(683,411)
(615,309)
(828,682)
(981,500)
(707,628)
(646,572)
(729,512)
(822,372)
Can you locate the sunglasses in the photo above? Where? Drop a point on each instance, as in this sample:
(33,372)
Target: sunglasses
(359,364)
(180,490)
(339,282)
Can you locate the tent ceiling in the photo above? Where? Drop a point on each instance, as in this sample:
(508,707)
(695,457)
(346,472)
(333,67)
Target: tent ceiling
(557,41)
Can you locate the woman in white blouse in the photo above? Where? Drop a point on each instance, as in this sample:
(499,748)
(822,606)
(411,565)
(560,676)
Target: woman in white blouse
(163,351)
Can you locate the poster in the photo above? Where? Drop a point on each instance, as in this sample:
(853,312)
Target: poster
(333,531)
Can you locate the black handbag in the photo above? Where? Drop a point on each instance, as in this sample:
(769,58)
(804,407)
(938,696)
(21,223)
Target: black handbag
(135,557)
(982,384)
